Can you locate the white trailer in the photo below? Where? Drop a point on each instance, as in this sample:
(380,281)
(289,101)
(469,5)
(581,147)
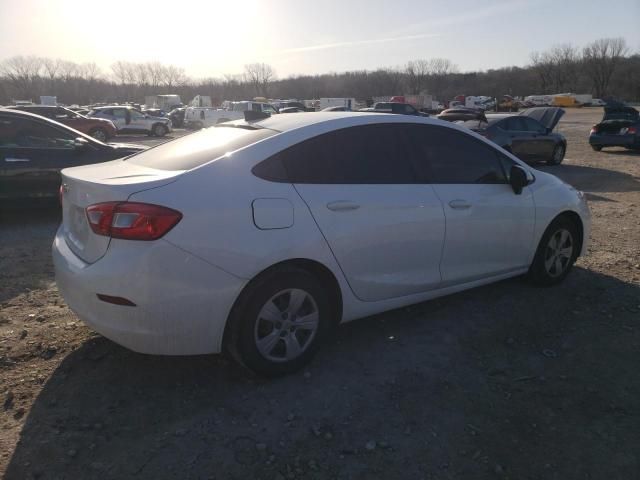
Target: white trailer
(163,102)
(201,101)
(48,100)
(349,103)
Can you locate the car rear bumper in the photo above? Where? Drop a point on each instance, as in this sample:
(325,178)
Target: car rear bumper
(181,302)
(614,140)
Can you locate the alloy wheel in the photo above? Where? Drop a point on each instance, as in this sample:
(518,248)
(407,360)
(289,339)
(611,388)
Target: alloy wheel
(558,253)
(286,325)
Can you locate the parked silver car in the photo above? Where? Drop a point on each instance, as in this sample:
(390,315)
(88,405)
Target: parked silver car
(129,120)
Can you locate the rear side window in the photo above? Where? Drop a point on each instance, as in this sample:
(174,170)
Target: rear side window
(447,156)
(514,124)
(199,148)
(371,154)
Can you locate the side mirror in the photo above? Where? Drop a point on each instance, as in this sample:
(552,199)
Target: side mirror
(518,179)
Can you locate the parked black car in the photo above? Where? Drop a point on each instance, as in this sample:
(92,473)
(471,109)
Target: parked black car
(34,149)
(293,104)
(177,117)
(620,127)
(461,113)
(395,107)
(291,110)
(528,135)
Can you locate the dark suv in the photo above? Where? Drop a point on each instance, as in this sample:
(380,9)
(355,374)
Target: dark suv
(98,128)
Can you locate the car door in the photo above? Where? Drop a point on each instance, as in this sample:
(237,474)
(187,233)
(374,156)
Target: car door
(384,227)
(138,122)
(32,153)
(542,144)
(523,142)
(119,118)
(489,229)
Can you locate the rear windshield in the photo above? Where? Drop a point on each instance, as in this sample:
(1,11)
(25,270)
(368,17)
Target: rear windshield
(199,148)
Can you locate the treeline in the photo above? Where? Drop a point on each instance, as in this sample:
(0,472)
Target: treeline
(604,68)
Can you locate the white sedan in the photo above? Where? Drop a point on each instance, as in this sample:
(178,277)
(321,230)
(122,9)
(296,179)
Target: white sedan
(258,237)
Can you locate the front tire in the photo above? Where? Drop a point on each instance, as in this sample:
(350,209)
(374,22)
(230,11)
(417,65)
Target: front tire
(596,148)
(280,322)
(99,134)
(159,130)
(556,253)
(558,155)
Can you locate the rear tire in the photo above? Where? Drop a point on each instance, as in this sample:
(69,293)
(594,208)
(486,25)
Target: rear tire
(556,253)
(597,148)
(280,321)
(558,155)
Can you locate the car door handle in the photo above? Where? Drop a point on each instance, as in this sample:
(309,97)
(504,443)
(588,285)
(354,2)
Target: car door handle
(342,206)
(13,160)
(459,204)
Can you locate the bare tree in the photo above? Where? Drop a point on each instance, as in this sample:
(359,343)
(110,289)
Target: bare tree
(173,76)
(417,72)
(22,73)
(90,71)
(260,75)
(69,70)
(600,60)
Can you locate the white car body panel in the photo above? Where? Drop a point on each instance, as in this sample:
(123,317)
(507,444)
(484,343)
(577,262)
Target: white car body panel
(185,284)
(489,230)
(387,238)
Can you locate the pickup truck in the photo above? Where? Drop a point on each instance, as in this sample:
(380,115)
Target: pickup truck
(196,118)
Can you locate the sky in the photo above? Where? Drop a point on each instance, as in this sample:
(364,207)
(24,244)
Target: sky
(209,38)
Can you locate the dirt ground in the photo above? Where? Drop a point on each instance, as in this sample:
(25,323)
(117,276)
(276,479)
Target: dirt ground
(506,381)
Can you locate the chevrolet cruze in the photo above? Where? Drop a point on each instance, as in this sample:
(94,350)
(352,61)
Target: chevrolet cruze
(259,237)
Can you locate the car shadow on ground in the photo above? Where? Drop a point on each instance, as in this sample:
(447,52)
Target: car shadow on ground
(593,179)
(507,378)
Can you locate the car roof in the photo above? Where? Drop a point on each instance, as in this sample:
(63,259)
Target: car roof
(102,107)
(284,123)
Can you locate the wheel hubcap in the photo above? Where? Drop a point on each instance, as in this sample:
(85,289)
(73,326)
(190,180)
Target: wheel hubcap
(558,253)
(286,325)
(99,135)
(559,154)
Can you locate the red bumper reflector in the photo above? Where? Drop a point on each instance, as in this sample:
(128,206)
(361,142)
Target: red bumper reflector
(115,300)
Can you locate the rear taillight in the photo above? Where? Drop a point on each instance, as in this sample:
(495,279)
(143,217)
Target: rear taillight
(632,130)
(131,221)
(594,129)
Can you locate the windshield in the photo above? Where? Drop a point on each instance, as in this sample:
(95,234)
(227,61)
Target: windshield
(199,148)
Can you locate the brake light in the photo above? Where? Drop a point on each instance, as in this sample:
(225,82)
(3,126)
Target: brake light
(632,130)
(594,129)
(131,220)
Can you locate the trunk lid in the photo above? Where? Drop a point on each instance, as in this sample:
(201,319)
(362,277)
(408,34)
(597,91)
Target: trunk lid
(621,112)
(547,116)
(105,182)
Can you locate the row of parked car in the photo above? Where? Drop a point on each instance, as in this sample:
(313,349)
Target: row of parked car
(104,122)
(36,142)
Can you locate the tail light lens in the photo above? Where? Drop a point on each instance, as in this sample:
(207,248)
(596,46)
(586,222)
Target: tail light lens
(131,221)
(594,129)
(632,130)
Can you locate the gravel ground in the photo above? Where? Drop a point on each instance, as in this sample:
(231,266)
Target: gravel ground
(502,382)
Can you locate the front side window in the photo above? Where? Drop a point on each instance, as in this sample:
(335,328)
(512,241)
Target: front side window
(119,113)
(26,133)
(371,154)
(447,156)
